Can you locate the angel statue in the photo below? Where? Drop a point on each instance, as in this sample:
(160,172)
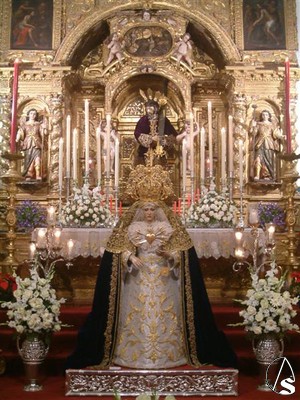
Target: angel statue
(266,137)
(31,134)
(184,50)
(150,308)
(115,49)
(109,148)
(184,137)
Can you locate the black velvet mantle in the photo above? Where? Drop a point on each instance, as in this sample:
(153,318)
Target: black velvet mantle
(204,342)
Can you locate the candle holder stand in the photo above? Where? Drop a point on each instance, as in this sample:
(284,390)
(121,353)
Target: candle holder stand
(241,262)
(10,179)
(107,187)
(192,189)
(183,219)
(99,184)
(255,266)
(241,222)
(289,179)
(59,202)
(224,186)
(47,247)
(212,184)
(203,188)
(68,181)
(116,206)
(230,185)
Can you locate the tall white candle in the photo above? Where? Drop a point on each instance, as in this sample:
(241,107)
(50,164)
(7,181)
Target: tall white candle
(210,141)
(68,147)
(57,237)
(41,241)
(184,154)
(75,153)
(87,136)
(230,145)
(51,215)
(32,250)
(223,155)
(108,120)
(70,246)
(270,232)
(98,144)
(117,162)
(241,163)
(192,144)
(202,155)
(60,162)
(253,216)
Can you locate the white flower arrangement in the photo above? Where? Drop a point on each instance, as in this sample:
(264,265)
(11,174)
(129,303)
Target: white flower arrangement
(268,307)
(35,308)
(86,209)
(212,209)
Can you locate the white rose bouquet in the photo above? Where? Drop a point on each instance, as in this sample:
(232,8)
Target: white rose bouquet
(34,308)
(86,209)
(268,307)
(213,209)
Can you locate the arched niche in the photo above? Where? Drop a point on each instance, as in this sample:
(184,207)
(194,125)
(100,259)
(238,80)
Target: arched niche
(166,81)
(129,92)
(94,26)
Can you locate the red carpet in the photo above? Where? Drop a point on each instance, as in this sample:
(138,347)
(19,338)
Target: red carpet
(63,343)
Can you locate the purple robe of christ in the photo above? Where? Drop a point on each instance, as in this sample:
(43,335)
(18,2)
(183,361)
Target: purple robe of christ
(143,127)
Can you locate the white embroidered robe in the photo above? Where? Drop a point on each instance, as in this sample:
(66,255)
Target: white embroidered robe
(150,333)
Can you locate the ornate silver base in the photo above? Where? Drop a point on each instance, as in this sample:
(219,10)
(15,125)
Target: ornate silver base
(32,387)
(178,382)
(264,388)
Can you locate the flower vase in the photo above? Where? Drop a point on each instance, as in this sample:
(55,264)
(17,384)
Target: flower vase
(33,352)
(267,348)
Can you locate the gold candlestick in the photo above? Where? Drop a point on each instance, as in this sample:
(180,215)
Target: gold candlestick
(10,179)
(289,178)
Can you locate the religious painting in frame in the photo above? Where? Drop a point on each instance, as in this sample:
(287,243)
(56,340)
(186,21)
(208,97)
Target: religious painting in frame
(264,24)
(31,25)
(149,41)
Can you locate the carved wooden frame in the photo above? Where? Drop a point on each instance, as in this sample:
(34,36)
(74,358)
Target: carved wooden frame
(5,27)
(290,26)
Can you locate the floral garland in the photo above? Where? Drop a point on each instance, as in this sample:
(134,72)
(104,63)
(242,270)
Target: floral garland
(34,308)
(86,209)
(211,210)
(268,307)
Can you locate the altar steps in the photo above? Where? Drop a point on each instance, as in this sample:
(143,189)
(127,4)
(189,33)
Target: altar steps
(64,342)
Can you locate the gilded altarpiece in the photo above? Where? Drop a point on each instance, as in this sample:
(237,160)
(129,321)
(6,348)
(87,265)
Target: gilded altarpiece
(223,65)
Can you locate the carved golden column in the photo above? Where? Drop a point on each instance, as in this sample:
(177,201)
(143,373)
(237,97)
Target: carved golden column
(56,121)
(5,110)
(239,108)
(289,179)
(10,179)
